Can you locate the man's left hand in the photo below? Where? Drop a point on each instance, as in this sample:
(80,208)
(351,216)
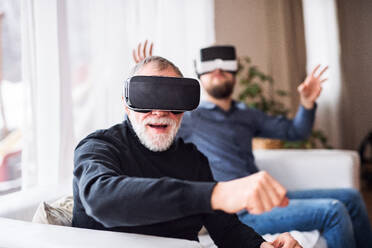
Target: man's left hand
(312,86)
(284,240)
(141,54)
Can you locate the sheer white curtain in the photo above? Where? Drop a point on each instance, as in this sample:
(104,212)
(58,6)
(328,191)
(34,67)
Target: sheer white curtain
(47,156)
(177,28)
(77,55)
(322,46)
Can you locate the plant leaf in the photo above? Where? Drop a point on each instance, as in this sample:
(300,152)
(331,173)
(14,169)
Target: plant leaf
(281,93)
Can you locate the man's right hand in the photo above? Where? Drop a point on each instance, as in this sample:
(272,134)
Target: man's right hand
(256,193)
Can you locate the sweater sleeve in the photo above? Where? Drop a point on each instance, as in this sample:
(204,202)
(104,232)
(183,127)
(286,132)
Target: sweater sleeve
(227,231)
(279,127)
(113,199)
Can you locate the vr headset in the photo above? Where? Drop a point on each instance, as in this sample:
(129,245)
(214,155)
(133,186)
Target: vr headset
(216,57)
(147,93)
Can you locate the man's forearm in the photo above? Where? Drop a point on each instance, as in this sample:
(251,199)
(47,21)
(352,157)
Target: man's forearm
(143,201)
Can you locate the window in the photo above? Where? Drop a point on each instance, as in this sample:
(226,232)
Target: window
(11,100)
(75,55)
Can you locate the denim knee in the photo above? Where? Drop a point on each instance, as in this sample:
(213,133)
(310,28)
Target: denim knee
(353,199)
(336,212)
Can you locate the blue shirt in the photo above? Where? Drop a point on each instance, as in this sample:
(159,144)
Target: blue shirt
(225,137)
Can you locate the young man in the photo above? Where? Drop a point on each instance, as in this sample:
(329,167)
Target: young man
(223,129)
(136,177)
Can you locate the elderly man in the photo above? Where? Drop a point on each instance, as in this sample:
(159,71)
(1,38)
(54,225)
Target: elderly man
(136,177)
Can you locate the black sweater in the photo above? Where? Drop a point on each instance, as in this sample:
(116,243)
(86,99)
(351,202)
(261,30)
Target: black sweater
(120,185)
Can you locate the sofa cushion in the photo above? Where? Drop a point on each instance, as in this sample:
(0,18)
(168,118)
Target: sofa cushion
(57,213)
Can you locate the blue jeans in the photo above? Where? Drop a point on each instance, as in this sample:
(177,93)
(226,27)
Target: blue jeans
(340,215)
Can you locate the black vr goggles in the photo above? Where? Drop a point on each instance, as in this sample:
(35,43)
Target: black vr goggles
(216,57)
(147,93)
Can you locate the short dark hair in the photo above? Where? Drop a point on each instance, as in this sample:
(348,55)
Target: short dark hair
(159,62)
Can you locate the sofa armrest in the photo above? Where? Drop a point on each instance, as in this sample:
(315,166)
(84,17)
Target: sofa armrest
(311,169)
(22,205)
(16,233)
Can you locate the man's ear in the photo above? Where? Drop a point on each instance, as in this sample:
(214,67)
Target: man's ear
(126,109)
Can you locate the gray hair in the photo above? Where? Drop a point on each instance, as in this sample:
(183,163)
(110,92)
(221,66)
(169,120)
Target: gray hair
(159,62)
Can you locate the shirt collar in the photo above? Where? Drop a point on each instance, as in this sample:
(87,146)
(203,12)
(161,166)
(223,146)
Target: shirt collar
(210,105)
(207,105)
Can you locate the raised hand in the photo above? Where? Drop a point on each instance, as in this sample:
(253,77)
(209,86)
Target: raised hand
(312,86)
(141,54)
(284,240)
(256,193)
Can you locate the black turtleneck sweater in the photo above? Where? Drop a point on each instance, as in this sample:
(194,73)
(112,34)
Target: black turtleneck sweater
(120,185)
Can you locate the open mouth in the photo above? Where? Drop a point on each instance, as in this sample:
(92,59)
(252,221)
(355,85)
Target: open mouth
(158,126)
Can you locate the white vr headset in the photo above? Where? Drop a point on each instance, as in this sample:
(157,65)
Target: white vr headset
(216,57)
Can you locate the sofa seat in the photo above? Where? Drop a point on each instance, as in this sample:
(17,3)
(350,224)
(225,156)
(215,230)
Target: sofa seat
(17,233)
(295,169)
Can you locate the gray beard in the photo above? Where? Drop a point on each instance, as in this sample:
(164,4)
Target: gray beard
(221,91)
(159,142)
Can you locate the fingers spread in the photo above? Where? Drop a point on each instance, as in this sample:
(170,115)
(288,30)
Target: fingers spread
(314,70)
(139,51)
(150,50)
(323,80)
(325,69)
(144,49)
(134,56)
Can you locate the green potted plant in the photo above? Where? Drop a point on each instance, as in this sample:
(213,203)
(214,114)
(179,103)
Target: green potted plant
(258,92)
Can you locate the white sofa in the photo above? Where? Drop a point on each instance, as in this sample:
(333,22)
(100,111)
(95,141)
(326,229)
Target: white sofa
(295,169)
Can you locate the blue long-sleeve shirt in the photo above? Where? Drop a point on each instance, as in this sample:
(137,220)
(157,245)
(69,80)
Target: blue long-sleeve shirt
(225,137)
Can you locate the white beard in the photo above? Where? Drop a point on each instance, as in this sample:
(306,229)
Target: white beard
(155,142)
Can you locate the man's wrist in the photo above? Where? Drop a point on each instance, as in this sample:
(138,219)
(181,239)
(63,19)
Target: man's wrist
(307,105)
(215,197)
(219,196)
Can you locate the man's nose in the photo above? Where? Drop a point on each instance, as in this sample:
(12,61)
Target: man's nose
(160,112)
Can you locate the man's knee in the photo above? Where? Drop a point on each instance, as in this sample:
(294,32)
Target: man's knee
(336,211)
